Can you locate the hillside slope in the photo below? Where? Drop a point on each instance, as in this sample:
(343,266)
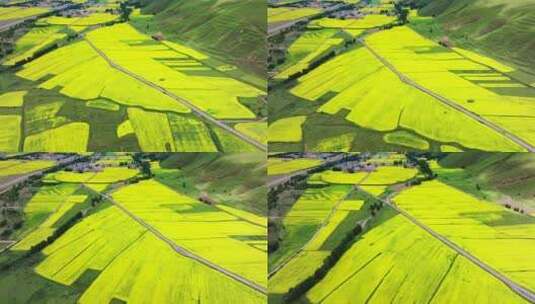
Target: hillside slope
(503,29)
(236,179)
(510,174)
(232,30)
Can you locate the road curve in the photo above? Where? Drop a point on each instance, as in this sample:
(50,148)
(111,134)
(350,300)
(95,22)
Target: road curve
(518,289)
(449,102)
(196,110)
(4,187)
(183,251)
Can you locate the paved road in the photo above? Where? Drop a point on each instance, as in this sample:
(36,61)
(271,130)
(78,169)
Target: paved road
(8,25)
(520,290)
(186,253)
(199,112)
(4,187)
(449,102)
(325,222)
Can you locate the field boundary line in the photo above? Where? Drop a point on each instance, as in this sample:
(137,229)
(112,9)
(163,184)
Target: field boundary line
(513,286)
(195,110)
(494,69)
(186,253)
(405,79)
(322,225)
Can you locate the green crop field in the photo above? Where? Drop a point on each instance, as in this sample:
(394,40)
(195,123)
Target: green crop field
(277,166)
(286,14)
(368,92)
(320,219)
(495,235)
(74,247)
(472,84)
(395,255)
(89,81)
(102,79)
(198,227)
(307,48)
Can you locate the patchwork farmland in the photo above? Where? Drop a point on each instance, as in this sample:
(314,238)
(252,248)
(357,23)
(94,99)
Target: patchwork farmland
(401,228)
(136,228)
(102,77)
(380,77)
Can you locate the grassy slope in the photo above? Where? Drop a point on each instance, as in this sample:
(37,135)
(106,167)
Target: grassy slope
(503,29)
(235,179)
(233,30)
(512,174)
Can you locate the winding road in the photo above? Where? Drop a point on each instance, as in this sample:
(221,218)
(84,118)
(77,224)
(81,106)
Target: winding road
(196,110)
(404,78)
(183,251)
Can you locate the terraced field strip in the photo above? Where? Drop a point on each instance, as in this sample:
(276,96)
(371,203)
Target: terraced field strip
(272,31)
(323,224)
(181,100)
(404,78)
(186,253)
(520,290)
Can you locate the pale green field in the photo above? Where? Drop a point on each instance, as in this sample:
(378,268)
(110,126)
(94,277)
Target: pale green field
(255,130)
(286,129)
(388,175)
(406,139)
(340,143)
(92,19)
(125,128)
(12,99)
(386,263)
(218,236)
(216,93)
(242,214)
(36,39)
(277,166)
(450,73)
(310,46)
(152,130)
(190,135)
(282,14)
(103,104)
(72,137)
(135,266)
(10,133)
(81,76)
(16,167)
(105,176)
(339,177)
(495,235)
(378,100)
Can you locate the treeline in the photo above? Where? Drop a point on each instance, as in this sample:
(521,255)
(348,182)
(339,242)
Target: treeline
(58,232)
(300,289)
